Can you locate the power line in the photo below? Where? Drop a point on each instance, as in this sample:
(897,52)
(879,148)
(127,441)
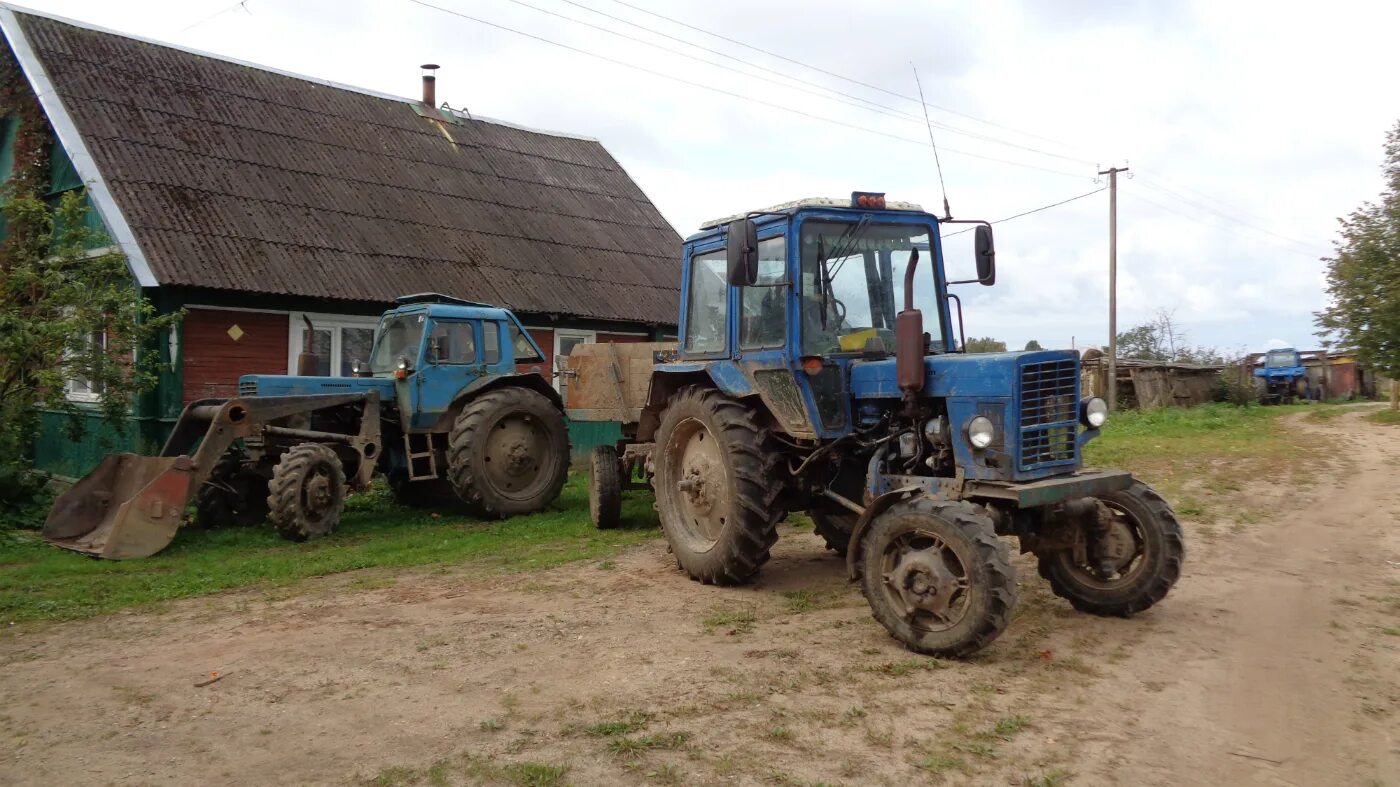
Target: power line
(821,70)
(1034,210)
(1196,219)
(1161,189)
(721,91)
(84,74)
(872,105)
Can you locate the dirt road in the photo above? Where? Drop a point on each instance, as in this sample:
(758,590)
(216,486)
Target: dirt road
(1275,661)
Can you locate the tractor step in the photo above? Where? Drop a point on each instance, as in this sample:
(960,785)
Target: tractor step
(412,458)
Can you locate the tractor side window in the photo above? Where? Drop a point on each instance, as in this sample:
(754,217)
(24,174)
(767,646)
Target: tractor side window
(708,309)
(763,307)
(491,342)
(524,351)
(452,342)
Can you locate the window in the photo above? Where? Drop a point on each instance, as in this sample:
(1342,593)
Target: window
(524,351)
(763,307)
(452,342)
(564,343)
(708,310)
(491,342)
(81,389)
(338,340)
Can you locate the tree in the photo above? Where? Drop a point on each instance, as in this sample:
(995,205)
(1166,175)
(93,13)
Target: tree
(1363,278)
(1163,339)
(1033,345)
(985,345)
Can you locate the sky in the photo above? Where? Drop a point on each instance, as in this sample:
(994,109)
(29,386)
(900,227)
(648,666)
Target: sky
(1247,128)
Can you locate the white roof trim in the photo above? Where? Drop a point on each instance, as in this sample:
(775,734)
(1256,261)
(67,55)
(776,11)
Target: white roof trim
(8,10)
(73,144)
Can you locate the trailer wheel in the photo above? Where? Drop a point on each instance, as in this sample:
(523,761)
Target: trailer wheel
(937,577)
(605,487)
(233,495)
(307,492)
(1144,547)
(835,528)
(716,486)
(508,453)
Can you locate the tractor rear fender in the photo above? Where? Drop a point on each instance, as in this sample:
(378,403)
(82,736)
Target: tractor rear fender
(532,380)
(668,378)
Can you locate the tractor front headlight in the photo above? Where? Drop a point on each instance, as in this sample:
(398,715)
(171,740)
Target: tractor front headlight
(980,432)
(1093,412)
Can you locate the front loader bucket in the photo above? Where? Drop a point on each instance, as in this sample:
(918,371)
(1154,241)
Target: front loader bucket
(129,506)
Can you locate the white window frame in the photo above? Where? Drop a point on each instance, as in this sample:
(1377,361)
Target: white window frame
(588,337)
(89,396)
(296,328)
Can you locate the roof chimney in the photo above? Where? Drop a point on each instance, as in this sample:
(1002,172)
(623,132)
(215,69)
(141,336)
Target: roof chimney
(429,84)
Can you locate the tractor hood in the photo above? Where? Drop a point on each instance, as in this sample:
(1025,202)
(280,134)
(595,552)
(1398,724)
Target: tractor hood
(293,385)
(980,375)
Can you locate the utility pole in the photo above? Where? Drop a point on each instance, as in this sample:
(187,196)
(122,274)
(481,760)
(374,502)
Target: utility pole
(1112,173)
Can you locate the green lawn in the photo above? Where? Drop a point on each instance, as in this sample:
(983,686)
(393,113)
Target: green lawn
(1387,417)
(40,582)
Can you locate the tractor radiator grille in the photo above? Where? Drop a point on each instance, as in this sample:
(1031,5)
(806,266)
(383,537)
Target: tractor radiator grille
(1049,413)
(248,388)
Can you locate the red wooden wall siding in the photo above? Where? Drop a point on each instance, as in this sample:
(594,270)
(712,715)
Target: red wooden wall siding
(214,360)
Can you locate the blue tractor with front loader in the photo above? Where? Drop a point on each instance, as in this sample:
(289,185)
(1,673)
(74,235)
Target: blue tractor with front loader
(440,408)
(819,370)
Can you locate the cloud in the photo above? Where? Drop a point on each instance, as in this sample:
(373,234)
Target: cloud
(1249,127)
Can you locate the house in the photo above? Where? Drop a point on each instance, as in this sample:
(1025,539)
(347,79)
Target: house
(257,200)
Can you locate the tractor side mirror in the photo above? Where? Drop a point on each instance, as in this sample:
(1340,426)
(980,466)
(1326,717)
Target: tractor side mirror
(742,250)
(986,253)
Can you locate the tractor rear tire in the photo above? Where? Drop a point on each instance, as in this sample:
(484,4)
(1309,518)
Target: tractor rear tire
(307,492)
(233,496)
(937,577)
(605,487)
(835,528)
(508,453)
(716,486)
(1144,577)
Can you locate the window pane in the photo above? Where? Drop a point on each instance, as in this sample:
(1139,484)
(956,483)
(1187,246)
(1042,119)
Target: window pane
(567,343)
(491,342)
(524,353)
(709,304)
(452,342)
(355,344)
(398,338)
(321,347)
(763,308)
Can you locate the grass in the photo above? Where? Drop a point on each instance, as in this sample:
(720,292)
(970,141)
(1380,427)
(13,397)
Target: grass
(730,620)
(39,582)
(1385,417)
(632,748)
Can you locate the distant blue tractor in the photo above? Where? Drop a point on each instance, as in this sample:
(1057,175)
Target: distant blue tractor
(439,408)
(819,370)
(1282,378)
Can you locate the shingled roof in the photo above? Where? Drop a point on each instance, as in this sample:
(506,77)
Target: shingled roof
(230,176)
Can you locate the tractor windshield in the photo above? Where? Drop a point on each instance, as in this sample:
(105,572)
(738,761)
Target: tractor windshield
(398,337)
(853,284)
(1278,359)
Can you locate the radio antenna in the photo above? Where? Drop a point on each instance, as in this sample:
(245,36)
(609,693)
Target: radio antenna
(947,211)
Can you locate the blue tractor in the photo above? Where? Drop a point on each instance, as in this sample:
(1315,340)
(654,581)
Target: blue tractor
(819,369)
(439,408)
(1282,378)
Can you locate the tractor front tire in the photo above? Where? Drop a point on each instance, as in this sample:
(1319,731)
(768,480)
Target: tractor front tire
(1147,567)
(307,492)
(234,495)
(937,577)
(508,453)
(605,487)
(716,486)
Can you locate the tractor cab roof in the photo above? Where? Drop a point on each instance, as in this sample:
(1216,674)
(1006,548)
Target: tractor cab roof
(439,305)
(859,201)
